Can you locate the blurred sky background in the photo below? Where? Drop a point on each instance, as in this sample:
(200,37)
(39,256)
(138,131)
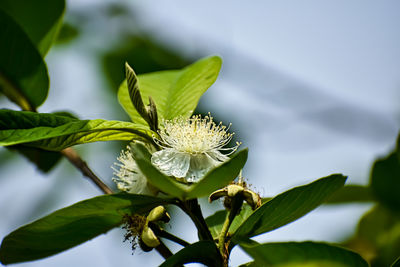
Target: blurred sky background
(311,87)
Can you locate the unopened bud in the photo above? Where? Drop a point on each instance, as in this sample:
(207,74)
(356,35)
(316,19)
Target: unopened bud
(159,213)
(149,238)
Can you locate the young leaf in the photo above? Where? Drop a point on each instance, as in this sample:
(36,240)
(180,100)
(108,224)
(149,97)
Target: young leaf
(23,73)
(204,252)
(215,179)
(175,92)
(302,254)
(40,24)
(54,132)
(71,226)
(134,93)
(288,207)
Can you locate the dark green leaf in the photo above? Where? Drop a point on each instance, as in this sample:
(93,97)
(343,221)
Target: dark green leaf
(351,194)
(23,73)
(288,207)
(202,252)
(175,92)
(213,180)
(54,132)
(292,254)
(44,160)
(385,181)
(40,19)
(71,226)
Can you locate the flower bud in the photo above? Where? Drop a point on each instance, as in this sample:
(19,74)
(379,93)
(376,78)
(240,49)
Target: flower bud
(159,213)
(149,238)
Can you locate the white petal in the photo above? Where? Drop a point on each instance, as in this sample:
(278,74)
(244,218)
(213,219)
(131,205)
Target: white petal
(218,156)
(171,162)
(200,164)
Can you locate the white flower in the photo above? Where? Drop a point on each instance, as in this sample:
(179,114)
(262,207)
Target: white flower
(128,177)
(191,147)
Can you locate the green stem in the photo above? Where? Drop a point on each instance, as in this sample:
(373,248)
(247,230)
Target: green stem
(237,203)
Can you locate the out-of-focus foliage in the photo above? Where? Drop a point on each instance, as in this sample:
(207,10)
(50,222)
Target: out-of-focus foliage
(39,23)
(377,237)
(301,254)
(142,52)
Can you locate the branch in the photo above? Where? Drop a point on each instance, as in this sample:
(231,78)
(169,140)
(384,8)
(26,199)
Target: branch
(81,165)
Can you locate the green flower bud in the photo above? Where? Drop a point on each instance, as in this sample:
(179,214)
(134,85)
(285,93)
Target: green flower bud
(149,238)
(159,213)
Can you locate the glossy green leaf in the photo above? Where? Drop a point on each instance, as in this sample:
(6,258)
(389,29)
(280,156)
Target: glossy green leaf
(310,254)
(385,181)
(288,207)
(71,226)
(54,132)
(174,92)
(351,194)
(40,19)
(23,73)
(213,180)
(204,252)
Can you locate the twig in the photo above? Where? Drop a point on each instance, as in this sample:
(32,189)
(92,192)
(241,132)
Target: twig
(162,233)
(163,250)
(81,165)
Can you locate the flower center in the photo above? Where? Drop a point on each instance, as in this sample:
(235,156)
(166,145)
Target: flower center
(194,135)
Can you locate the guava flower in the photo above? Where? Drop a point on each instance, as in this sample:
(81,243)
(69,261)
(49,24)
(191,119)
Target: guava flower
(191,147)
(128,176)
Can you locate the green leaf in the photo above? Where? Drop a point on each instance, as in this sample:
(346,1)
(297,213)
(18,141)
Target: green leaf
(308,254)
(54,132)
(204,252)
(23,73)
(175,92)
(351,194)
(213,180)
(216,221)
(71,226)
(40,19)
(385,181)
(288,207)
